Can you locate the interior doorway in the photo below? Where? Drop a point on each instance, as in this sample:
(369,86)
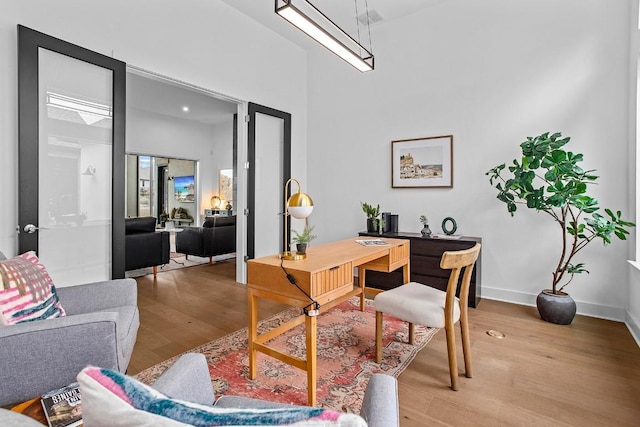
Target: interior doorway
(161,187)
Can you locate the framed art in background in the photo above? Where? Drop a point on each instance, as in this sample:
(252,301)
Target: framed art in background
(422,162)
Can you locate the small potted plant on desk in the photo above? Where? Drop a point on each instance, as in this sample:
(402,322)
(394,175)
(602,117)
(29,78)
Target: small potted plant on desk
(302,239)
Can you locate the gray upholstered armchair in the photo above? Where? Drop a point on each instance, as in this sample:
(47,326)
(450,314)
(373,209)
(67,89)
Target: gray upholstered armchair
(189,379)
(100,329)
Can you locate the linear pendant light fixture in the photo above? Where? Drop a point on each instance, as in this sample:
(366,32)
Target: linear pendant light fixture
(319,27)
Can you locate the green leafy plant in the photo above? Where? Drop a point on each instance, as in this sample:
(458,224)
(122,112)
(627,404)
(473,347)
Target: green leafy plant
(305,236)
(372,213)
(548,179)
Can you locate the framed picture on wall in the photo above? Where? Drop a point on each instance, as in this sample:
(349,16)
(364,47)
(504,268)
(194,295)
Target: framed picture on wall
(226,185)
(184,188)
(422,162)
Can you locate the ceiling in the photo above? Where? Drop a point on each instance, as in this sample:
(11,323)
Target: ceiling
(165,98)
(168,99)
(342,12)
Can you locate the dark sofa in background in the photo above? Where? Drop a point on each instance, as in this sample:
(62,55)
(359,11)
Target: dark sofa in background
(217,236)
(144,246)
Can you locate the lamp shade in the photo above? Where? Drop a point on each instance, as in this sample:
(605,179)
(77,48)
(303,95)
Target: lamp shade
(300,205)
(215,202)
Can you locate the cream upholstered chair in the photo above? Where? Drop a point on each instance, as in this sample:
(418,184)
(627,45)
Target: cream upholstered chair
(427,306)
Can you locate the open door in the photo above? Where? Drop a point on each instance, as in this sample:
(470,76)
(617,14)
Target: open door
(269,154)
(71,158)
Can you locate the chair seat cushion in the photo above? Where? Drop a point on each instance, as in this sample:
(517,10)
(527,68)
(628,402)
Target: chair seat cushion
(416,303)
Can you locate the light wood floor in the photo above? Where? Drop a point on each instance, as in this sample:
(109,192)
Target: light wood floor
(585,374)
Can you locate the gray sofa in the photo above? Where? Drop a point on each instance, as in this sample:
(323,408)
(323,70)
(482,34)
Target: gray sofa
(100,329)
(188,379)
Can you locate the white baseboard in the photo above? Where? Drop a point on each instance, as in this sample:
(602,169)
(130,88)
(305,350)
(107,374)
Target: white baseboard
(584,308)
(634,327)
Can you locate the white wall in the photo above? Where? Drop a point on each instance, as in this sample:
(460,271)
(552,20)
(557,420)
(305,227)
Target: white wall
(490,73)
(206,43)
(162,136)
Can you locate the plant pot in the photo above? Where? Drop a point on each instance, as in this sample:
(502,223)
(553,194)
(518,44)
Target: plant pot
(371,226)
(556,308)
(301,248)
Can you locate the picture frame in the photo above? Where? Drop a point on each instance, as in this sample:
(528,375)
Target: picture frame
(422,162)
(184,188)
(225,185)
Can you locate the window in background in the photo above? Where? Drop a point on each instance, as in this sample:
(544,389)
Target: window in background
(145,207)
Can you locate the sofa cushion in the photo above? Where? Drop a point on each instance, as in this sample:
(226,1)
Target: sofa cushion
(27,292)
(110,398)
(145,224)
(218,221)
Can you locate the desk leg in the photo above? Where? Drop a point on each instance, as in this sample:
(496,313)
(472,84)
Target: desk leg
(253,332)
(405,273)
(361,281)
(311,327)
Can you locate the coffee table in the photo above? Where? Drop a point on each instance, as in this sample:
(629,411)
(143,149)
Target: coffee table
(326,276)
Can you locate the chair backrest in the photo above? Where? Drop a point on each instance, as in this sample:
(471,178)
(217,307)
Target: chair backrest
(456,261)
(144,224)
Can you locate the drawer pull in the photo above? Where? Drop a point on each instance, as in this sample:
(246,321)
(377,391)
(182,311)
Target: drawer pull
(335,268)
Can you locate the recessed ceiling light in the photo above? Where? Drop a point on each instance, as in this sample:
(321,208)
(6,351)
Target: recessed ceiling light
(185,109)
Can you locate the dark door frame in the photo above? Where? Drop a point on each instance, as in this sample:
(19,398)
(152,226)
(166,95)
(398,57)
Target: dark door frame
(251,184)
(161,190)
(29,41)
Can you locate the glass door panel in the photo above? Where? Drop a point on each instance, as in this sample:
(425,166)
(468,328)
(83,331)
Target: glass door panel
(269,155)
(75,168)
(269,190)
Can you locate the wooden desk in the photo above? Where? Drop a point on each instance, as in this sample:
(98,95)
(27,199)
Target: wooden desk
(327,276)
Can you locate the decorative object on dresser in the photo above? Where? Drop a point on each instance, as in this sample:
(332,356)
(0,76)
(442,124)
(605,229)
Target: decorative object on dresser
(425,263)
(426,231)
(445,226)
(424,305)
(372,213)
(422,162)
(548,179)
(390,222)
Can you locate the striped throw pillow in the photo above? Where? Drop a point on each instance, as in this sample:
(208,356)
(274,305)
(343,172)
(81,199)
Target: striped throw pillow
(27,292)
(112,399)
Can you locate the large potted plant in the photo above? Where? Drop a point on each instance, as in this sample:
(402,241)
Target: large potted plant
(548,179)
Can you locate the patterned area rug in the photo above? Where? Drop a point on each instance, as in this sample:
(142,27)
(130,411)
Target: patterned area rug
(346,358)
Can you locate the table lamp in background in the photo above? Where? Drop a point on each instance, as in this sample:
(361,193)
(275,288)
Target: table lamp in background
(299,206)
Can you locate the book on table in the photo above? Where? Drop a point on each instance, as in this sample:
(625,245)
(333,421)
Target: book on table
(63,407)
(373,242)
